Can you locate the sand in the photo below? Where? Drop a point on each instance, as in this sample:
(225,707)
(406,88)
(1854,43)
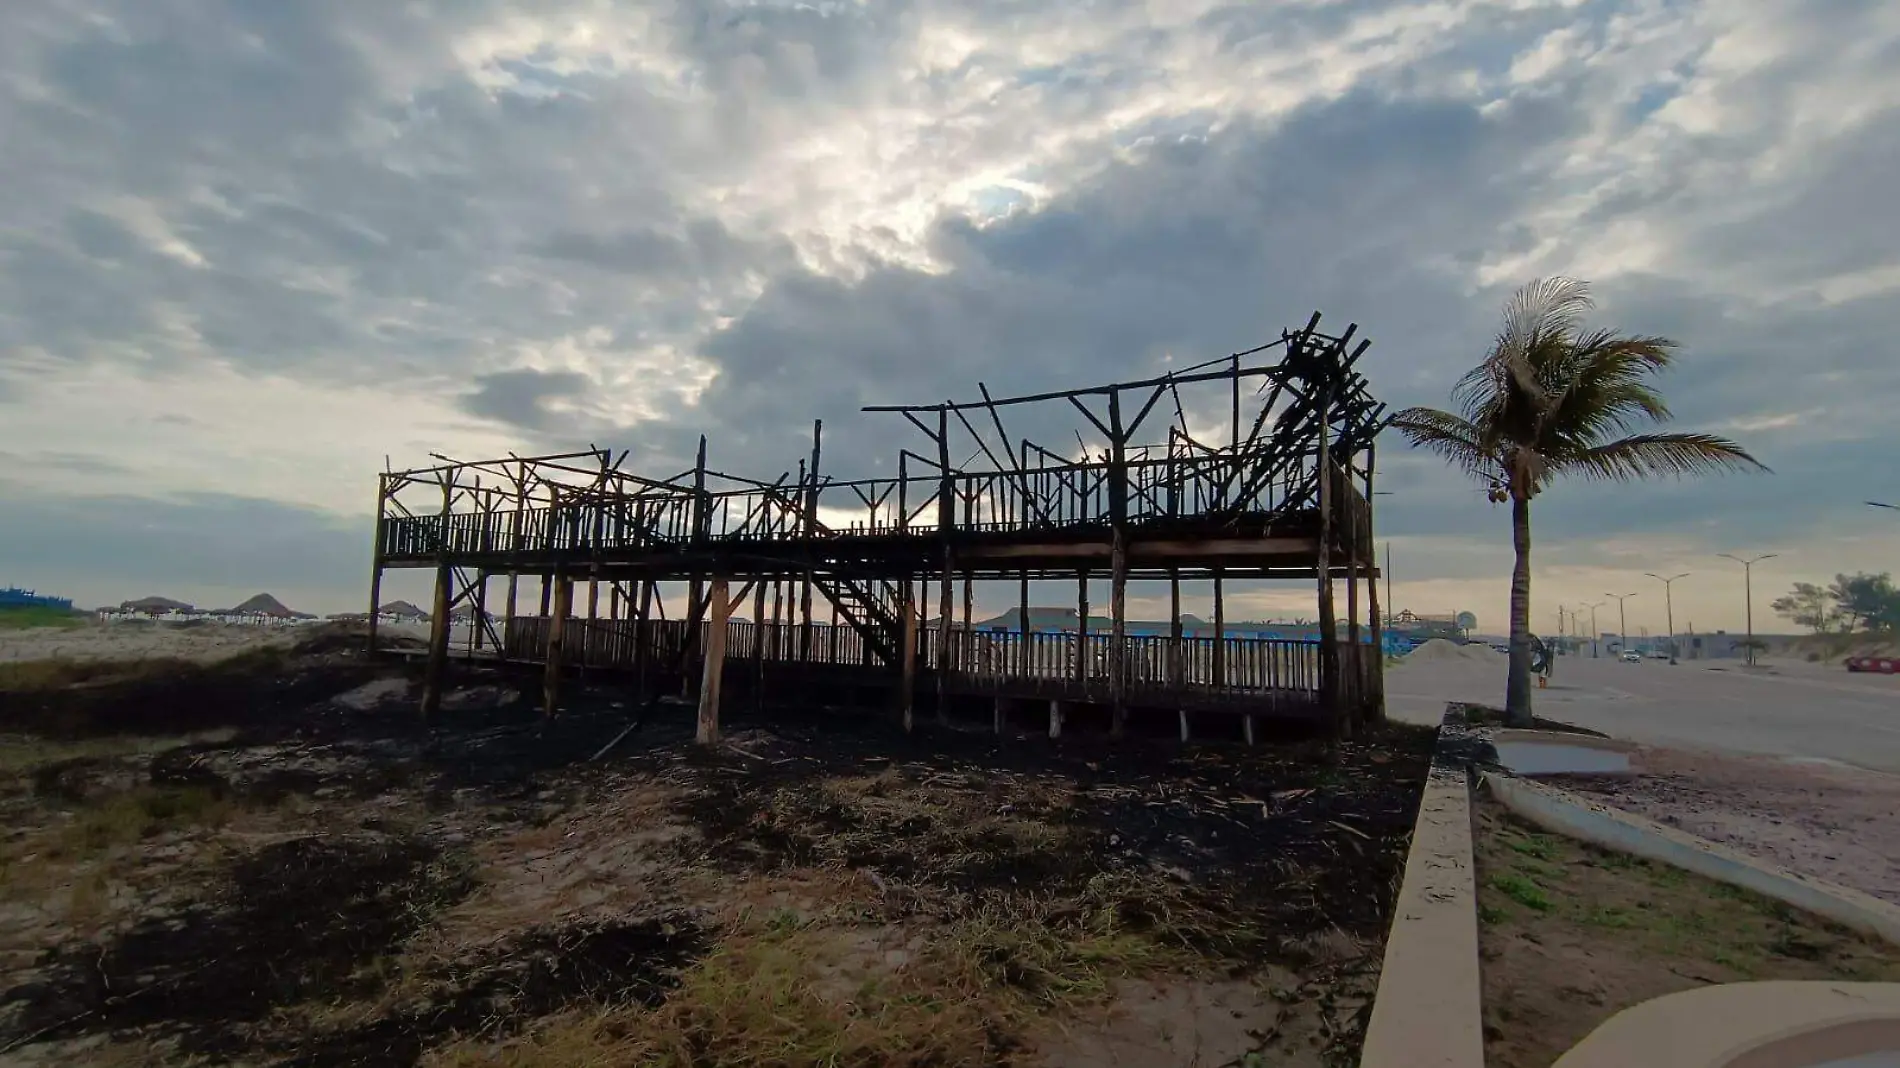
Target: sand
(202,642)
(1440,651)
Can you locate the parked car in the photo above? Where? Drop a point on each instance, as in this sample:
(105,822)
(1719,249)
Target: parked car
(1631,656)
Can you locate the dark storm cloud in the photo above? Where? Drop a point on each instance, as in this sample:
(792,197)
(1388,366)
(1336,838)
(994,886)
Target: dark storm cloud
(521,398)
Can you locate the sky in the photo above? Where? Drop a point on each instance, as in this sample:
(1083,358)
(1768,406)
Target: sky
(252,252)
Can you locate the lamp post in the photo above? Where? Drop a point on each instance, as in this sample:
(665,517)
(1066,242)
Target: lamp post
(1622,622)
(1748,594)
(1669,607)
(1593,626)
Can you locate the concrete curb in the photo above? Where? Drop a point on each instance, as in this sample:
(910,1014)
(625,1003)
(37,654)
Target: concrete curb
(1609,828)
(1427,1012)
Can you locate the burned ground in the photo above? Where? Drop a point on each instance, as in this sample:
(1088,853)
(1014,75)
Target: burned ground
(327,884)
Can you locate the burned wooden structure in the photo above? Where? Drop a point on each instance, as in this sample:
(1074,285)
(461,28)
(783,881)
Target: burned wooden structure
(841,576)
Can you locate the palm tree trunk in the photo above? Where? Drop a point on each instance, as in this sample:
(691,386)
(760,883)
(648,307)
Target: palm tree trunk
(1517,687)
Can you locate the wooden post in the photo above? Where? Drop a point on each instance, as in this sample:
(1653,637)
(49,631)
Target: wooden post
(1354,688)
(547,591)
(380,547)
(719,611)
(1175,666)
(1022,624)
(1220,632)
(907,693)
(1377,710)
(946,521)
(557,645)
(480,617)
(696,589)
(1082,630)
(439,617)
(644,636)
(943,639)
(1117,568)
(758,641)
(1328,622)
(438,644)
(1055,719)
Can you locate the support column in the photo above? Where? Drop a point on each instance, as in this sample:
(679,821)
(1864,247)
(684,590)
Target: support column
(1175,664)
(1022,625)
(438,643)
(907,692)
(943,639)
(758,642)
(557,645)
(480,616)
(1220,632)
(439,616)
(1118,634)
(719,610)
(377,552)
(1329,694)
(1377,710)
(1082,631)
(1055,719)
(1355,674)
(643,636)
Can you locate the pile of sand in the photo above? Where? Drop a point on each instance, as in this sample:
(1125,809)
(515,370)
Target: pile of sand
(1440,651)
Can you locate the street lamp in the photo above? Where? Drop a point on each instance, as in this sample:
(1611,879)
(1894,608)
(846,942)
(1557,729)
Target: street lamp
(1593,626)
(1669,606)
(1622,621)
(1748,593)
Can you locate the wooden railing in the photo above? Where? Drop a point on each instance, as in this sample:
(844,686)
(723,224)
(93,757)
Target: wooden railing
(1002,662)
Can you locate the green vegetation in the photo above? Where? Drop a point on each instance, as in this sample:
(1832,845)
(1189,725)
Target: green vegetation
(1861,602)
(1542,883)
(27,618)
(1550,399)
(137,814)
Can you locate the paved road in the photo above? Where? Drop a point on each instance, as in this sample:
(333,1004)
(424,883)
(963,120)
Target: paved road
(1789,709)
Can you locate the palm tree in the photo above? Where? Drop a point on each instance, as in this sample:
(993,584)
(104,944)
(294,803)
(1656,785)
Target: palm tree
(1551,399)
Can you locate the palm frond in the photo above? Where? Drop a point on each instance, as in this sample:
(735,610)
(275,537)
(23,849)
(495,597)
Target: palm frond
(1649,455)
(1450,436)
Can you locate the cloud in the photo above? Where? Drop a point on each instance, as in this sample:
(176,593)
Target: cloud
(250,250)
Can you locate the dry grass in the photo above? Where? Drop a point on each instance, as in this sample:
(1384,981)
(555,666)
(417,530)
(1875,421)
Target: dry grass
(21,753)
(784,988)
(60,672)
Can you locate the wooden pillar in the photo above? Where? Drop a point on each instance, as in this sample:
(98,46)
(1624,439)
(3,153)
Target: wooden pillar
(547,591)
(377,552)
(1376,711)
(946,523)
(557,645)
(1118,634)
(1220,632)
(969,600)
(1355,673)
(758,642)
(719,610)
(438,643)
(480,616)
(644,636)
(1117,568)
(1328,622)
(1022,624)
(1055,719)
(944,639)
(996,715)
(1082,630)
(1175,665)
(439,616)
(907,691)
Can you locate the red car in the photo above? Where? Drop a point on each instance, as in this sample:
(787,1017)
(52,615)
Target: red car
(1885,665)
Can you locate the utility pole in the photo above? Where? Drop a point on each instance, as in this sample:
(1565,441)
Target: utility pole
(1669,606)
(1748,594)
(1622,622)
(1593,627)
